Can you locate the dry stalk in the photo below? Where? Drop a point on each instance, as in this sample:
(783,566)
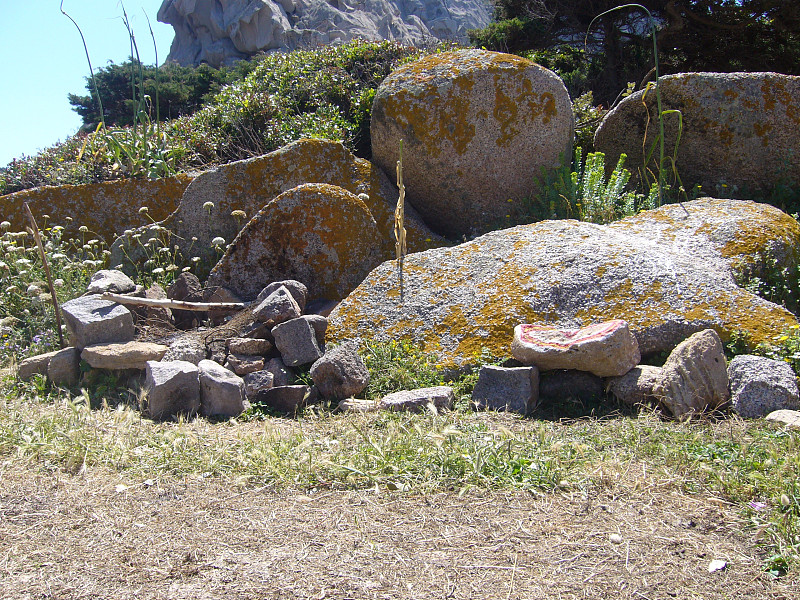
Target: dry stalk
(192,306)
(37,236)
(399,221)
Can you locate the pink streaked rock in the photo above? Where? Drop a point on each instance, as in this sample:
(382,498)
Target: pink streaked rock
(605,349)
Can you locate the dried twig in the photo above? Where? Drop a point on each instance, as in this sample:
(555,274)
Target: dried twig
(399,221)
(38,239)
(192,306)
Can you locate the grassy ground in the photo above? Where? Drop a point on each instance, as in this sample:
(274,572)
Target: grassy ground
(459,504)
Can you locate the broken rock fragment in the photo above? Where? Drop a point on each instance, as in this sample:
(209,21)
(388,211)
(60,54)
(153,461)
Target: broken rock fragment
(605,349)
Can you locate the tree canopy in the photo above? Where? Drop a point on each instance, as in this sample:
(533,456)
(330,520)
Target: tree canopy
(692,35)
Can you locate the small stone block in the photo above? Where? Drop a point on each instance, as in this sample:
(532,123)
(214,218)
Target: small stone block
(242,364)
(418,400)
(507,389)
(256,382)
(130,355)
(91,320)
(252,346)
(221,391)
(35,365)
(173,389)
(276,308)
(297,342)
(64,367)
(287,399)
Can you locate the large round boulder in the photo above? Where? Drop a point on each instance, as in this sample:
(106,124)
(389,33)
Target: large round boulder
(459,301)
(318,234)
(740,130)
(477,129)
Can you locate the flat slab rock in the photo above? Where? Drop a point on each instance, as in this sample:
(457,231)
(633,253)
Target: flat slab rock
(790,418)
(419,399)
(130,355)
(605,349)
(461,300)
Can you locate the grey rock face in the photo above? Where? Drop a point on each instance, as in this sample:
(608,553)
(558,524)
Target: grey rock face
(252,346)
(220,32)
(282,376)
(605,349)
(297,342)
(64,367)
(276,308)
(110,280)
(695,376)
(34,365)
(222,393)
(761,385)
(130,355)
(297,289)
(340,373)
(256,382)
(661,271)
(636,386)
(242,364)
(477,129)
(173,389)
(320,326)
(286,399)
(749,119)
(186,348)
(417,400)
(92,320)
(510,389)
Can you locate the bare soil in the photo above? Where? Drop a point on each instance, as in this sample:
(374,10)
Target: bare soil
(93,535)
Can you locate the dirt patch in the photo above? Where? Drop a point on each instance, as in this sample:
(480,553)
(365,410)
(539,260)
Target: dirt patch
(94,535)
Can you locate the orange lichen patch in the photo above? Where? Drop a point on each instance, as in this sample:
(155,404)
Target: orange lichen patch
(761,130)
(107,208)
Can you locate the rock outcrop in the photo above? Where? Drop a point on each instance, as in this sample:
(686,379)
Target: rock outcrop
(106,209)
(220,202)
(457,301)
(316,233)
(739,129)
(477,128)
(220,32)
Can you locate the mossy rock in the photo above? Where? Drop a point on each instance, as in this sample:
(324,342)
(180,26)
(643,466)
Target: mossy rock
(460,301)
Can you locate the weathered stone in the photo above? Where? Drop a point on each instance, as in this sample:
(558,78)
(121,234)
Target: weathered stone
(106,208)
(186,348)
(750,120)
(358,405)
(173,388)
(110,280)
(440,397)
(186,288)
(605,349)
(286,399)
(258,381)
(320,326)
(297,342)
(249,185)
(34,365)
(340,373)
(252,346)
(258,331)
(790,418)
(282,376)
(316,233)
(297,289)
(92,320)
(128,355)
(214,293)
(276,308)
(461,300)
(514,389)
(694,377)
(761,385)
(156,315)
(221,32)
(221,392)
(561,385)
(64,367)
(636,386)
(242,364)
(477,129)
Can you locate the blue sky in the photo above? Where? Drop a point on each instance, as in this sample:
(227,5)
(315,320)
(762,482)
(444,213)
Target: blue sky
(42,60)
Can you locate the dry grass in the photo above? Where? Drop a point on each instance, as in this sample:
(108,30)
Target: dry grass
(99,535)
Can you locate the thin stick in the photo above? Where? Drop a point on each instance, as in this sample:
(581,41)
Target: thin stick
(38,239)
(192,306)
(399,221)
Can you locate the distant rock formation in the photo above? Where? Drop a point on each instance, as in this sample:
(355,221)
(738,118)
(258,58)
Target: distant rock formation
(220,32)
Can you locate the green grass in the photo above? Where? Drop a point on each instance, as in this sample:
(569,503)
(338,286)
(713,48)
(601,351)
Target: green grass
(754,465)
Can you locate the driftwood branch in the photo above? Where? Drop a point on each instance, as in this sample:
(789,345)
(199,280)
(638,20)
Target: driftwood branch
(177,304)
